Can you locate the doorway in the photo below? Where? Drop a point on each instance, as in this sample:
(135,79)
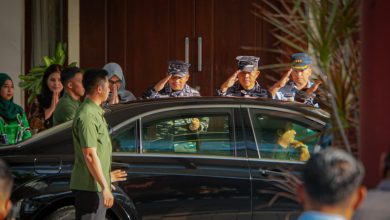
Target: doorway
(142,36)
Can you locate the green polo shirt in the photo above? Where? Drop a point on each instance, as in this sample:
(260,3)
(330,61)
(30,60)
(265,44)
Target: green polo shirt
(90,130)
(66,109)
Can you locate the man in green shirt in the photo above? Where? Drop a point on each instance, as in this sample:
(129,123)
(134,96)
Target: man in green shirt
(90,179)
(72,80)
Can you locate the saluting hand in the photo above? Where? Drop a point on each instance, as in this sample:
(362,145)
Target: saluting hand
(160,85)
(285,78)
(314,88)
(281,83)
(230,81)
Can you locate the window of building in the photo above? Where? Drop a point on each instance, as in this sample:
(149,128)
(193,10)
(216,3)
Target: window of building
(47,19)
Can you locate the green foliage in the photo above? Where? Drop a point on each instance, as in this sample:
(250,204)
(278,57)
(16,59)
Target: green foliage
(329,30)
(32,81)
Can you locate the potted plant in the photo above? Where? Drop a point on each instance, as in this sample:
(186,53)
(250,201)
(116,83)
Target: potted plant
(32,81)
(329,31)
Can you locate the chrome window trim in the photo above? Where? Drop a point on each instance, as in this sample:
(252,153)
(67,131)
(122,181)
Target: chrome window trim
(233,122)
(130,120)
(284,110)
(211,157)
(230,106)
(141,146)
(249,107)
(254,134)
(196,156)
(206,106)
(273,160)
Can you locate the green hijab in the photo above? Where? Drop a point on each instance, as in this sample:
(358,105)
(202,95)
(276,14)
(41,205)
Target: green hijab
(8,109)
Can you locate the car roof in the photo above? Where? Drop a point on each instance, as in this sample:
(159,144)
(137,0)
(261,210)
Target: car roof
(119,114)
(217,100)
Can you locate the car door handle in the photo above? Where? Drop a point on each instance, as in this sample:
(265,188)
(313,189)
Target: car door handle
(47,165)
(187,164)
(266,172)
(280,176)
(191,165)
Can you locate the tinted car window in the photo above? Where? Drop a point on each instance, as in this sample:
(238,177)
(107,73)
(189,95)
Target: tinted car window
(283,137)
(174,134)
(124,140)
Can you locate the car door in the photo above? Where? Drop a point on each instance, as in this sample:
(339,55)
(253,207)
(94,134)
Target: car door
(175,172)
(276,141)
(40,167)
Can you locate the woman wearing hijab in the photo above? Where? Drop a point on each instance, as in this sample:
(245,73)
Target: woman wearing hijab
(118,93)
(41,114)
(13,122)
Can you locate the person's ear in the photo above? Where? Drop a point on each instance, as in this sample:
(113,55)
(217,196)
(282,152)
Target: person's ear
(69,85)
(8,207)
(309,70)
(257,73)
(187,77)
(360,196)
(99,89)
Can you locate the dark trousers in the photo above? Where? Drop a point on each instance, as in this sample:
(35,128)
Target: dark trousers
(89,205)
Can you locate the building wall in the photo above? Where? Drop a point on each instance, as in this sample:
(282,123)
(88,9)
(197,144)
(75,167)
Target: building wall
(74,31)
(142,36)
(12,42)
(375,95)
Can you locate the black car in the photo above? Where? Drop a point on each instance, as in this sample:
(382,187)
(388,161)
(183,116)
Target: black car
(224,170)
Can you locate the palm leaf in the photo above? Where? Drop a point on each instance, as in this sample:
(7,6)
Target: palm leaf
(328,28)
